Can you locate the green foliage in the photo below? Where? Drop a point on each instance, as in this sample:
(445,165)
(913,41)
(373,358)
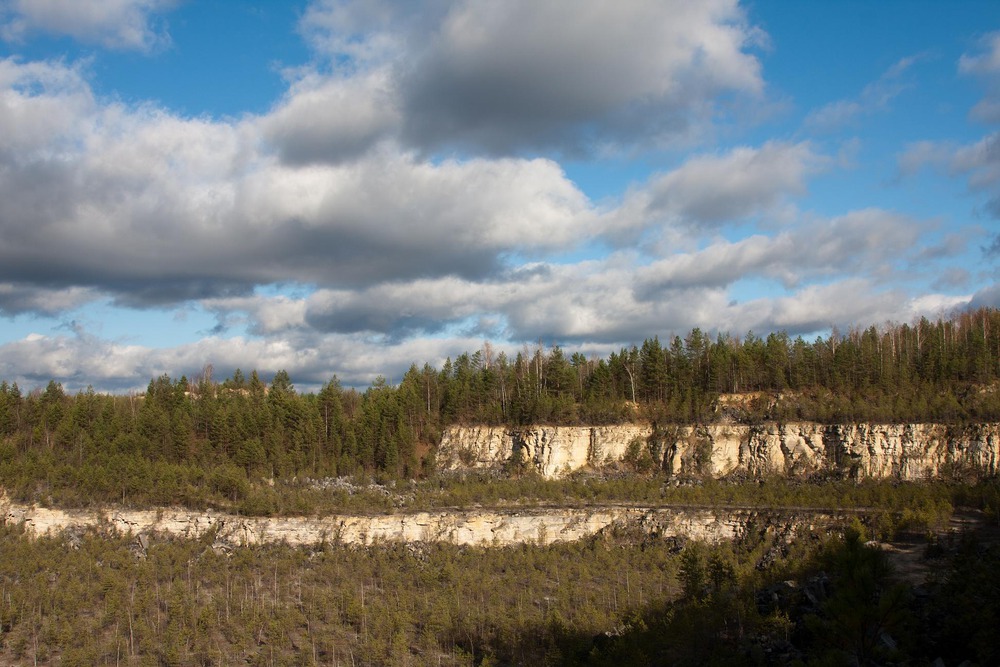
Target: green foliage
(638,457)
(183,442)
(966,606)
(833,602)
(864,607)
(185,604)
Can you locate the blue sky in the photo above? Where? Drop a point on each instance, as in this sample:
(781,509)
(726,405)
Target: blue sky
(334,187)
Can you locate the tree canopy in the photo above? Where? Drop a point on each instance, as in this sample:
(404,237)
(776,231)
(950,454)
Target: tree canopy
(944,370)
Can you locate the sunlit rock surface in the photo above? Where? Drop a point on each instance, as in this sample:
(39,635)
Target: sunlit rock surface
(856,451)
(464,527)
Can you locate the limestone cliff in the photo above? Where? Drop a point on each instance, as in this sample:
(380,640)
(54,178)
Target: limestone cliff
(858,451)
(470,527)
(554,450)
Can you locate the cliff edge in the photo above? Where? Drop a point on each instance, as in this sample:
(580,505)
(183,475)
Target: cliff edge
(800,449)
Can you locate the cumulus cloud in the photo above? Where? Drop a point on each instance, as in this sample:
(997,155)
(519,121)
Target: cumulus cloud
(567,76)
(978,163)
(611,299)
(834,115)
(16,299)
(981,161)
(81,359)
(41,107)
(710,190)
(818,307)
(920,154)
(949,246)
(402,201)
(324,119)
(987,297)
(593,306)
(952,278)
(114,24)
(157,209)
(266,315)
(78,359)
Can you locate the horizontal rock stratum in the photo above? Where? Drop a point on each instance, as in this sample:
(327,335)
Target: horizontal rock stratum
(799,449)
(483,527)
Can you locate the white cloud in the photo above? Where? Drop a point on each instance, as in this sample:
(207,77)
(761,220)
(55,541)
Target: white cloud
(613,299)
(818,307)
(83,359)
(389,247)
(875,97)
(115,24)
(330,119)
(41,108)
(266,315)
(361,34)
(160,209)
(26,298)
(985,65)
(919,154)
(978,162)
(716,189)
(981,161)
(591,307)
(938,305)
(987,61)
(833,115)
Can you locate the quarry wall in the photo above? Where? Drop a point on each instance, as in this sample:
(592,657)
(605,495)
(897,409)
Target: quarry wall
(481,527)
(797,449)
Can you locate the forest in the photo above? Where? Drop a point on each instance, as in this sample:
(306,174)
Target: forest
(256,447)
(618,598)
(221,433)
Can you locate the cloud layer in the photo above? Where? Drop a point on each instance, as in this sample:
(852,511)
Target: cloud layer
(407,196)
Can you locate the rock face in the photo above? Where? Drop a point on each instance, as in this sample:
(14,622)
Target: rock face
(469,527)
(554,450)
(857,451)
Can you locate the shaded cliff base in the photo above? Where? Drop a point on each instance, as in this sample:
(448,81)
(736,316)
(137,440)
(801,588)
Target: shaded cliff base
(799,449)
(847,602)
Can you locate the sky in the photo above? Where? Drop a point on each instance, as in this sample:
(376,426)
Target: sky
(339,188)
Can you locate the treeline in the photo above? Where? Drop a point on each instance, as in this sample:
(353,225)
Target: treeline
(185,433)
(182,438)
(941,371)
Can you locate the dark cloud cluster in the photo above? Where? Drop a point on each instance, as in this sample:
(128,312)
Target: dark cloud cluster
(503,79)
(528,75)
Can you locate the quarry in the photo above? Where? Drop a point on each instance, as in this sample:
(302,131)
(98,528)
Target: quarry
(903,452)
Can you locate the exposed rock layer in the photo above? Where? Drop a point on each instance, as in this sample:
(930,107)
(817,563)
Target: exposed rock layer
(898,451)
(469,527)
